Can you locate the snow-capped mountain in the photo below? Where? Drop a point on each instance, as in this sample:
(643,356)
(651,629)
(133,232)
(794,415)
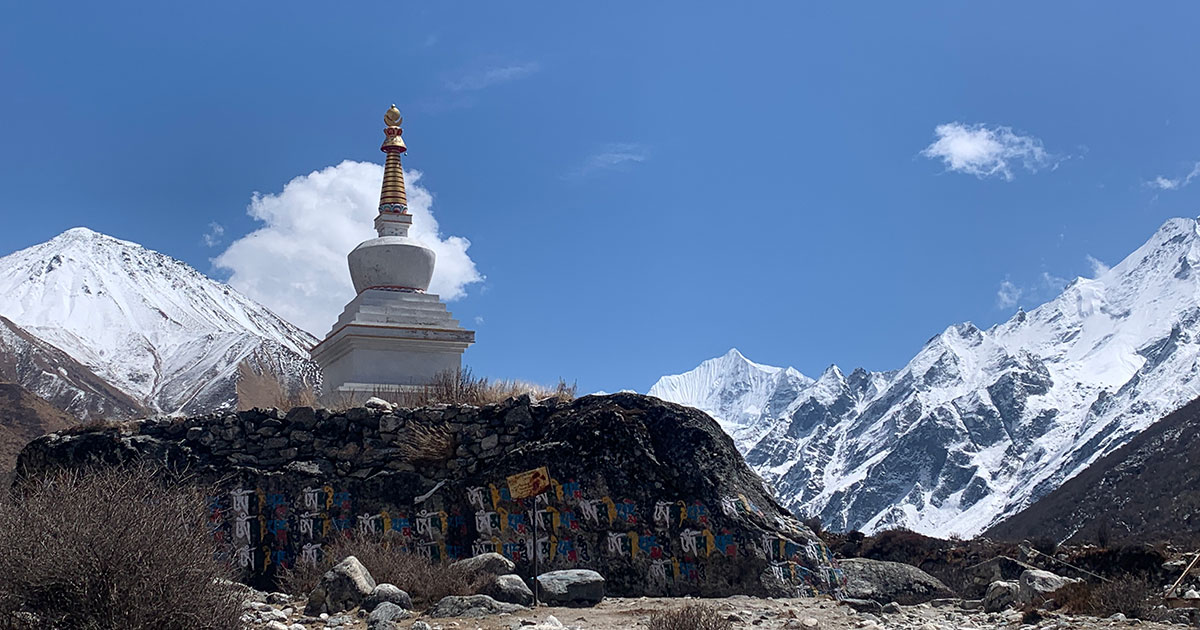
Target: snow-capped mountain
(980,423)
(149,325)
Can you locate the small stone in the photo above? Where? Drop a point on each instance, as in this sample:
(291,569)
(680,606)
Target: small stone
(276,625)
(420,625)
(810,623)
(892,608)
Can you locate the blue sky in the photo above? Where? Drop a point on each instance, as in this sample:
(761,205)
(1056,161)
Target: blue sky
(642,187)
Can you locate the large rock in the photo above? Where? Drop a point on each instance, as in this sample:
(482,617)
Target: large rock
(652,495)
(1036,585)
(886,582)
(1000,595)
(385,616)
(343,587)
(388,593)
(471,606)
(491,563)
(573,587)
(508,588)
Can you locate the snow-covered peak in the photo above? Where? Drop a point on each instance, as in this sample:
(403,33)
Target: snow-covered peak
(138,318)
(978,423)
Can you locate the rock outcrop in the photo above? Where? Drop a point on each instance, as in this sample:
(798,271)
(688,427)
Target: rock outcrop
(651,495)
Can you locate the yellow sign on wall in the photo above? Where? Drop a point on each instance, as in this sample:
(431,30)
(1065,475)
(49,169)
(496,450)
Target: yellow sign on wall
(529,483)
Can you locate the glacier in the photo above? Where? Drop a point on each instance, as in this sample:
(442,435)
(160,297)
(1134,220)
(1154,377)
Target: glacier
(980,423)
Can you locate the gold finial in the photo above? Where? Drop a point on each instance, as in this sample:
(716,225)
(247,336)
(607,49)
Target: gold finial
(392,117)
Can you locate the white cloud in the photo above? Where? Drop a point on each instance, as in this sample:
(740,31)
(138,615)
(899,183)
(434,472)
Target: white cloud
(1098,266)
(1053,282)
(1008,295)
(985,151)
(492,76)
(1165,183)
(214,235)
(295,263)
(613,156)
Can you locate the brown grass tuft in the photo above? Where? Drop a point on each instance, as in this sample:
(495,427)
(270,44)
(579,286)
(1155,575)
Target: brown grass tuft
(690,617)
(1132,596)
(426,582)
(457,387)
(422,443)
(110,548)
(263,389)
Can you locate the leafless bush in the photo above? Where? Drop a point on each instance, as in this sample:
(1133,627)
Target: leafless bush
(690,617)
(1131,596)
(384,556)
(110,548)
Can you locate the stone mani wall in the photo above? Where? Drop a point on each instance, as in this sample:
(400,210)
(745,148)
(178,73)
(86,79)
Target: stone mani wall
(286,484)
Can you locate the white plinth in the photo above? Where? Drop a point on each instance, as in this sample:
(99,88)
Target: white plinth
(390,340)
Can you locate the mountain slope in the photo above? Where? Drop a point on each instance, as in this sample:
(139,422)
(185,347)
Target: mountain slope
(23,417)
(981,423)
(62,381)
(1148,490)
(148,324)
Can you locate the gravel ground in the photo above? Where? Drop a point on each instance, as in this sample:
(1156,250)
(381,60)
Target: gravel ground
(743,612)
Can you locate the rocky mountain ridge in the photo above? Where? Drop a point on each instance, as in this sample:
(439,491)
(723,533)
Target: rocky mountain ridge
(980,423)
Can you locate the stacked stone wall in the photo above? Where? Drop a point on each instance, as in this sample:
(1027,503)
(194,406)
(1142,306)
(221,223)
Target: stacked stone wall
(651,495)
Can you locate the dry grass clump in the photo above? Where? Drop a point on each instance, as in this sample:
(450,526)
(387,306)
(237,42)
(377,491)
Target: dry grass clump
(1132,596)
(263,389)
(461,387)
(690,617)
(96,425)
(426,582)
(422,443)
(110,548)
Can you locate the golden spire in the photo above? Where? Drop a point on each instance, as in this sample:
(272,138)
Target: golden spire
(392,199)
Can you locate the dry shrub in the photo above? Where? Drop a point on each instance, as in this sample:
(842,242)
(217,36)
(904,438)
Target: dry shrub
(461,387)
(423,443)
(690,617)
(110,548)
(261,388)
(1132,596)
(95,425)
(384,556)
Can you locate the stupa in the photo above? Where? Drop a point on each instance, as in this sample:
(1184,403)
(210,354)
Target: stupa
(392,336)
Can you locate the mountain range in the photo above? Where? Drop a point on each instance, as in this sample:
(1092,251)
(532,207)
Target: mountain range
(980,423)
(103,327)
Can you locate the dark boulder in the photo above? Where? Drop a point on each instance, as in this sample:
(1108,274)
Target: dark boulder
(574,587)
(886,582)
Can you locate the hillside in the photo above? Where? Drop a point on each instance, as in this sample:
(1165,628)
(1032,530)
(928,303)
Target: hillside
(980,423)
(53,375)
(23,417)
(1147,490)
